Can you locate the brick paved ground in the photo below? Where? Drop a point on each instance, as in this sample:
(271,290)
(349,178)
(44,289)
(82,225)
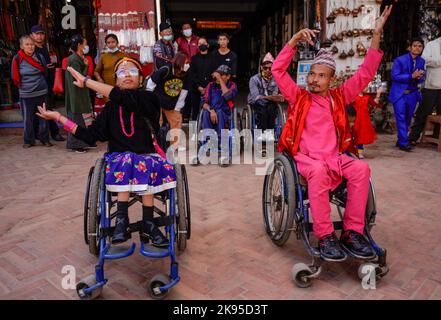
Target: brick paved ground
(229,255)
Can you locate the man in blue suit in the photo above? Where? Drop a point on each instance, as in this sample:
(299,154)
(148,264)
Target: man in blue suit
(408,72)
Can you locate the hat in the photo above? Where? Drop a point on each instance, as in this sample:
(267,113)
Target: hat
(37,29)
(224,69)
(268,58)
(326,58)
(164,26)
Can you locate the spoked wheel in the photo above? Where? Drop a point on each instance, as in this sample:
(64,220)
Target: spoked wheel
(87,205)
(94,212)
(195,161)
(279,200)
(85,284)
(158,281)
(182,225)
(280,122)
(247,123)
(339,200)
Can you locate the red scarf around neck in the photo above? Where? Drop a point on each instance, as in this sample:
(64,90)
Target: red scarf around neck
(18,59)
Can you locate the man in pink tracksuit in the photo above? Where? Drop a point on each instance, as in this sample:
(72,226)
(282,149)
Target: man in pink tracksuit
(321,136)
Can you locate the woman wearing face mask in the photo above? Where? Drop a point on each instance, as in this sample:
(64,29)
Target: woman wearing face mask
(104,68)
(170,84)
(134,163)
(201,68)
(77,99)
(188,44)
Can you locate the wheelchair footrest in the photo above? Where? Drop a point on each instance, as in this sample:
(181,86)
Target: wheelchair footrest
(151,248)
(338,225)
(118,249)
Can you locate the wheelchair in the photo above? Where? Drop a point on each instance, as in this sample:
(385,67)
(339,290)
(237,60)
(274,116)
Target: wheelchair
(249,122)
(233,139)
(99,210)
(286,208)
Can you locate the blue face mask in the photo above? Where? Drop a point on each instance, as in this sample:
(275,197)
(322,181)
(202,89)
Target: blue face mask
(168,38)
(113,50)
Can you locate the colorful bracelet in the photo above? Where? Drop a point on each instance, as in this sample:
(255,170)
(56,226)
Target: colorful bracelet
(70,126)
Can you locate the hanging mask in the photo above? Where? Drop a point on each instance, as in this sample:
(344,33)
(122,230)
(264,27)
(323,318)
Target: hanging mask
(86,50)
(186,67)
(113,50)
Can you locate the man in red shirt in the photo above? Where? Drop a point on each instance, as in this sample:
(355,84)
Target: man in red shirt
(188,43)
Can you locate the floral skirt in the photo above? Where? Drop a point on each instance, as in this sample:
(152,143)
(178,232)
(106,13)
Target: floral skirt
(138,173)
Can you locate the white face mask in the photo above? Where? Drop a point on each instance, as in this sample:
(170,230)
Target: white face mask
(113,50)
(86,50)
(187,32)
(186,67)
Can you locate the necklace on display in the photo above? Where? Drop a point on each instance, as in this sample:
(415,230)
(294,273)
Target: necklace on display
(132,128)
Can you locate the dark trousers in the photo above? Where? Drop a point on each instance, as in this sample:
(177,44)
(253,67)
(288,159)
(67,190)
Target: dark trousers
(431,98)
(195,99)
(29,110)
(265,112)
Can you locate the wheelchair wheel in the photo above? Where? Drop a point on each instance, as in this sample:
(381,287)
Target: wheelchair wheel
(94,212)
(279,200)
(156,282)
(235,147)
(182,225)
(195,161)
(87,205)
(85,284)
(280,121)
(247,123)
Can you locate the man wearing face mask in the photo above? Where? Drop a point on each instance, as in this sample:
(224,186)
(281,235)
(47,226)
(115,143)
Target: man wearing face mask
(164,49)
(188,44)
(263,97)
(200,73)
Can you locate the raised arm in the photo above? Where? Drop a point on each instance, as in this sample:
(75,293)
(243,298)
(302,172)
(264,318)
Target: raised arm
(360,80)
(286,84)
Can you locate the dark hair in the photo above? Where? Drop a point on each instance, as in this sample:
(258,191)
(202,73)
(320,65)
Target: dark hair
(76,40)
(179,62)
(203,37)
(188,24)
(416,39)
(350,110)
(113,36)
(223,34)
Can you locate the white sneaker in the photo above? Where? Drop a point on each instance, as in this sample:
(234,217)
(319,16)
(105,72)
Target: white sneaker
(269,136)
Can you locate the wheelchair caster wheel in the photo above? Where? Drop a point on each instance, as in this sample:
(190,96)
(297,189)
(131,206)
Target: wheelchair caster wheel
(301,275)
(366,269)
(87,283)
(158,281)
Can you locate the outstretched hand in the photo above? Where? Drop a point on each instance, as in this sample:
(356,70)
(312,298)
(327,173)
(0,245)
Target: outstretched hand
(304,35)
(381,21)
(46,114)
(79,78)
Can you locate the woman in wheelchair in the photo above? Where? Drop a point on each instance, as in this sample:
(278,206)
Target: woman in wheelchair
(135,163)
(317,135)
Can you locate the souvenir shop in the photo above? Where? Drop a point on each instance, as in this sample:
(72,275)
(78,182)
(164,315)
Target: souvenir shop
(16,19)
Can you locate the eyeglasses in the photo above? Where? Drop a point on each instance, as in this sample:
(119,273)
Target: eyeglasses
(123,72)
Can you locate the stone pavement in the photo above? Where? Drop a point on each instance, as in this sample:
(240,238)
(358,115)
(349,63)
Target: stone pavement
(229,255)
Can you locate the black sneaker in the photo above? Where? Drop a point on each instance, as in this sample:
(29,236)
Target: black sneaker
(152,232)
(330,249)
(356,245)
(406,148)
(121,232)
(47,144)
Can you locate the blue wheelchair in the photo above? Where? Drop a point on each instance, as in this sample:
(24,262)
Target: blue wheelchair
(233,140)
(286,208)
(173,212)
(249,123)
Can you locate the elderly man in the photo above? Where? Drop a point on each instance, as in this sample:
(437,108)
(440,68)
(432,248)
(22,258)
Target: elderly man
(164,49)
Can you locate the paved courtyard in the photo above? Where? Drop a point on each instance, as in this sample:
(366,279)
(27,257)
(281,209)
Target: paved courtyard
(229,255)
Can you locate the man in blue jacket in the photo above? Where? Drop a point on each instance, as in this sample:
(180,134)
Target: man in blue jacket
(408,72)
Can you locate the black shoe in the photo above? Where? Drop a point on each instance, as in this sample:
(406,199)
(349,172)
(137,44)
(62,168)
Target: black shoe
(47,144)
(152,232)
(412,143)
(92,146)
(330,249)
(28,145)
(121,232)
(356,245)
(406,148)
(58,137)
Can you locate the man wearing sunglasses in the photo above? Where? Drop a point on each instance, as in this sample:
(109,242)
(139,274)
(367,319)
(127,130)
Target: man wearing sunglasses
(263,98)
